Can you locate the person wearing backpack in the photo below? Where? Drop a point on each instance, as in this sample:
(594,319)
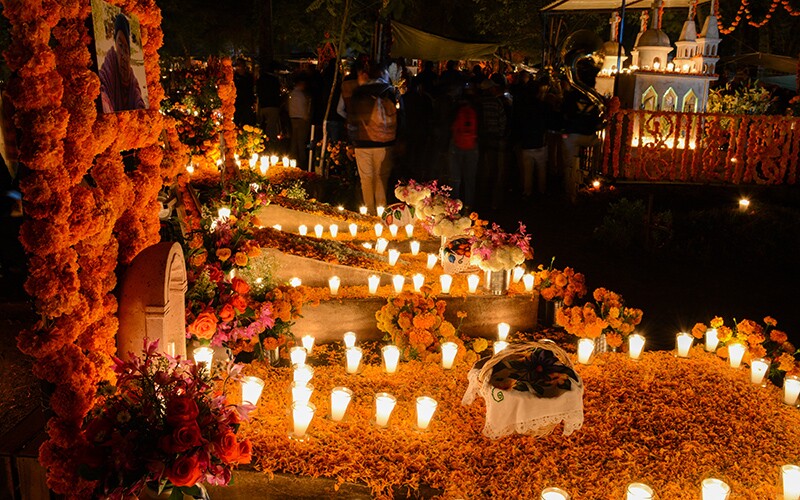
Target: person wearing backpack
(464,150)
(376,106)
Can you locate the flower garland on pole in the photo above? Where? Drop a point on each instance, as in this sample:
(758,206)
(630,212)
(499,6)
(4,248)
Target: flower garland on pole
(744,11)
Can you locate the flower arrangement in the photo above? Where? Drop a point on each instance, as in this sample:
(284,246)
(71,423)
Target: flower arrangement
(565,285)
(608,316)
(250,141)
(496,250)
(163,426)
(412,193)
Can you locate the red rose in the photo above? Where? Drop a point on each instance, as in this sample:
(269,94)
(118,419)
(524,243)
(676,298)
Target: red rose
(227,448)
(204,326)
(181,409)
(185,471)
(240,286)
(227,313)
(182,438)
(239,303)
(215,274)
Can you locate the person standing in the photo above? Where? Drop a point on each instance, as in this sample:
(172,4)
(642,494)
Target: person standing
(534,113)
(464,150)
(300,116)
(243,113)
(492,134)
(268,89)
(375,109)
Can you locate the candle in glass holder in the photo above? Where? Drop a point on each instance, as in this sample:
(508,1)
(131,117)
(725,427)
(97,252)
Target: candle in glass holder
(398,281)
(273,159)
(393,256)
(635,346)
(302,374)
(340,400)
(426,406)
(791,482)
(714,489)
(502,331)
(712,339)
(295,282)
(446,281)
(518,273)
(499,346)
(472,282)
(334,283)
(378,229)
(302,414)
(379,210)
(301,393)
(251,389)
(171,349)
(391,355)
(362,210)
(308,343)
(373,281)
(302,230)
(639,491)
(318,230)
(791,389)
(414,247)
(353,227)
(349,339)
(384,404)
(449,351)
(684,341)
(418,280)
(353,359)
(527,280)
(334,230)
(554,493)
(744,204)
(432,258)
(285,161)
(393,230)
(293,163)
(758,370)
(409,230)
(381,244)
(735,354)
(298,355)
(204,355)
(585,350)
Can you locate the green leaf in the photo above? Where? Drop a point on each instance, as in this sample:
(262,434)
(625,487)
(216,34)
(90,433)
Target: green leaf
(191,491)
(176,494)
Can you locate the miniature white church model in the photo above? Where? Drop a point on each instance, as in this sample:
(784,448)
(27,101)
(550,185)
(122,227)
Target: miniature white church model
(654,82)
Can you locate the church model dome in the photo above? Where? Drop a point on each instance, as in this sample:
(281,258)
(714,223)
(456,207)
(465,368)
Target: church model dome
(654,38)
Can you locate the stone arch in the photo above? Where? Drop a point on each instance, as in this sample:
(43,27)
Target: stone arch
(650,99)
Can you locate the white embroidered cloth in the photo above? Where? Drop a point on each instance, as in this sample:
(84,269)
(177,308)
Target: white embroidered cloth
(509,412)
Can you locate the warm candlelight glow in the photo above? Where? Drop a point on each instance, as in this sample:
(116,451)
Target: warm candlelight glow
(285,161)
(414,247)
(517,275)
(585,350)
(295,282)
(302,230)
(472,282)
(425,408)
(393,230)
(334,230)
(298,355)
(171,349)
(340,399)
(353,229)
(378,229)
(308,343)
(301,393)
(714,489)
(334,283)
(302,413)
(499,346)
(639,491)
(446,281)
(684,341)
(791,482)
(362,210)
(527,280)
(302,374)
(735,354)
(381,244)
(554,493)
(380,211)
(277,227)
(502,331)
(374,280)
(635,346)
(353,359)
(418,280)
(410,230)
(384,404)
(791,389)
(432,258)
(758,369)
(273,159)
(393,256)
(349,339)
(204,355)
(293,163)
(712,340)
(398,282)
(251,389)
(449,351)
(391,355)
(744,204)
(318,230)
(190,169)
(224,213)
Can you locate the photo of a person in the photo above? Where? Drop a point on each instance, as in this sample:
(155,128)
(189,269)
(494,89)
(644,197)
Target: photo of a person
(117,38)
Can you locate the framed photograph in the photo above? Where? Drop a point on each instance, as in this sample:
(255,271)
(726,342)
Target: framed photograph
(119,58)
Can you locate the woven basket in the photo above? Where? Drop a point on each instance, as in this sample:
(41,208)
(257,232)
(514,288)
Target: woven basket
(520,350)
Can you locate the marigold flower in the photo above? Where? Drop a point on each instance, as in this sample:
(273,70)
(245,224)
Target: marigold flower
(480,344)
(769,320)
(717,322)
(699,330)
(778,336)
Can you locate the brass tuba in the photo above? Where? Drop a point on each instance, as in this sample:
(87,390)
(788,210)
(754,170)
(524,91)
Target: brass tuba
(583,46)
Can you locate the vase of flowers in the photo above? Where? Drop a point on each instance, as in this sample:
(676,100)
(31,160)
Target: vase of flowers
(497,281)
(497,252)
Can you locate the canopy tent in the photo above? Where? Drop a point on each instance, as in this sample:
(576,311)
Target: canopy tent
(781,64)
(570,5)
(416,44)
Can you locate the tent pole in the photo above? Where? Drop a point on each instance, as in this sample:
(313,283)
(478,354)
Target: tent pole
(619,48)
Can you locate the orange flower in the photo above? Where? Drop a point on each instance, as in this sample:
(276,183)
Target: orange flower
(769,320)
(240,286)
(223,254)
(227,313)
(239,303)
(717,322)
(699,330)
(240,259)
(778,336)
(204,326)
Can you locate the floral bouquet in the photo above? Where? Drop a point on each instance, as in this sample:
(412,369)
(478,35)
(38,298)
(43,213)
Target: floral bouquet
(607,317)
(415,323)
(163,427)
(496,250)
(250,141)
(412,193)
(566,285)
(450,225)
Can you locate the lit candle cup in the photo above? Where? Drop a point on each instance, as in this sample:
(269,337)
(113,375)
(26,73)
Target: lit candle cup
(349,339)
(334,230)
(378,229)
(398,282)
(425,409)
(585,350)
(791,482)
(502,331)
(393,256)
(293,163)
(302,230)
(791,389)
(334,283)
(298,355)
(362,210)
(273,159)
(340,400)
(714,489)
(554,493)
(171,349)
(353,359)
(384,404)
(527,280)
(639,491)
(758,370)
(277,227)
(393,230)
(381,244)
(251,389)
(410,230)
(414,247)
(318,230)
(295,282)
(353,229)
(712,339)
(418,280)
(446,281)
(684,341)
(449,351)
(380,211)
(302,375)
(735,354)
(635,346)
(204,355)
(472,282)
(190,169)
(744,205)
(432,258)
(302,414)
(285,161)
(301,393)
(499,346)
(391,355)
(517,275)
(308,343)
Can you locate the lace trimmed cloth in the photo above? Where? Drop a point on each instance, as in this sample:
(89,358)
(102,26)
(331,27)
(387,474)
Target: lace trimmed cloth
(524,412)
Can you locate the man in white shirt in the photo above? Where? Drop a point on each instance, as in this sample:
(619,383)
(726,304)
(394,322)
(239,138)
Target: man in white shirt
(300,115)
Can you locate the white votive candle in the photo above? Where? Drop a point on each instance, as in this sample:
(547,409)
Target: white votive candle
(585,350)
(295,282)
(744,204)
(277,227)
(518,273)
(735,354)
(171,349)
(527,280)
(409,230)
(391,355)
(273,159)
(714,489)
(426,406)
(318,230)
(393,256)
(418,280)
(472,283)
(791,389)
(302,230)
(334,230)
(353,359)
(378,229)
(449,351)
(381,244)
(384,404)
(554,493)
(353,229)
(432,258)
(446,281)
(298,355)
(340,400)
(502,331)
(301,393)
(398,281)
(285,161)
(308,343)
(302,414)
(302,374)
(393,230)
(635,346)
(758,370)
(293,163)
(414,247)
(372,282)
(712,339)
(362,210)
(349,339)
(791,482)
(334,283)
(499,346)
(203,356)
(639,491)
(684,341)
(251,389)
(379,210)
